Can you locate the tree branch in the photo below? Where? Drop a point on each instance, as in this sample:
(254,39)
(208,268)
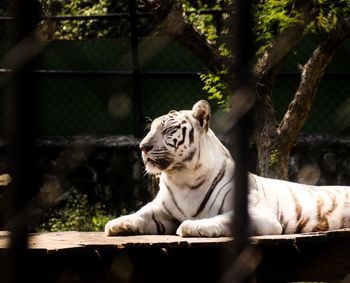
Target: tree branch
(269,64)
(311,76)
(266,71)
(283,43)
(170,16)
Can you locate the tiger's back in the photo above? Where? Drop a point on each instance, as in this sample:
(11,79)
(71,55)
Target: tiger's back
(303,208)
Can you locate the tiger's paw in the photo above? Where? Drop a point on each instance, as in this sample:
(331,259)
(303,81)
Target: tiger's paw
(124,225)
(202,228)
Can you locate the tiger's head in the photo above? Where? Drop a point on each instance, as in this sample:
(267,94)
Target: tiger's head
(173,138)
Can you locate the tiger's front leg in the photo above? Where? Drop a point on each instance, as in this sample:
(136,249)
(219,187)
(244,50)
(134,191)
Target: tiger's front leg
(263,222)
(148,220)
(218,226)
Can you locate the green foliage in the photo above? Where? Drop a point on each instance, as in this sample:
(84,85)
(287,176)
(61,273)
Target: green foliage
(328,14)
(79,29)
(273,157)
(77,214)
(273,17)
(196,13)
(202,21)
(215,87)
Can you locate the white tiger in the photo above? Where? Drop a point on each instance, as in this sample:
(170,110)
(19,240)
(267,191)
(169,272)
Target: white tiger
(196,188)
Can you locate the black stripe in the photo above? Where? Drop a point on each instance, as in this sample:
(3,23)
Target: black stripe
(167,210)
(178,166)
(184,129)
(169,215)
(173,198)
(217,179)
(189,157)
(172,132)
(196,186)
(199,155)
(283,223)
(160,225)
(220,192)
(223,201)
(191,136)
(169,144)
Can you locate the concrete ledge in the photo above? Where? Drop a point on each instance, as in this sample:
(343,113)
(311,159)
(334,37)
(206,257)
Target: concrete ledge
(93,257)
(56,242)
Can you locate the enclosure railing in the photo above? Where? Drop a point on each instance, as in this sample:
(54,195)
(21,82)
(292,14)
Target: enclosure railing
(137,74)
(23,202)
(24,206)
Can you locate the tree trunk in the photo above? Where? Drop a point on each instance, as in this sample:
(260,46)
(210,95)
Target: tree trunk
(272,160)
(274,140)
(274,143)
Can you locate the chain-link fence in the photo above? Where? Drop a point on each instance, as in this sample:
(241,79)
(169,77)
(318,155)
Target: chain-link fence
(330,107)
(101,75)
(86,78)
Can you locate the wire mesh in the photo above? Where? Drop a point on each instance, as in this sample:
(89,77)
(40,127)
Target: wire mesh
(87,81)
(83,76)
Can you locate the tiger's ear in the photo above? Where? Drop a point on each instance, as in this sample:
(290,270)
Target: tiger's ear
(201,111)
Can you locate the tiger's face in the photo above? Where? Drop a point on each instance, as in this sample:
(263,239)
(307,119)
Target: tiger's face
(172,140)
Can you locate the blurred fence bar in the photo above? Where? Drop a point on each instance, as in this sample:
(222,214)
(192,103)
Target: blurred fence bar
(137,102)
(80,78)
(21,110)
(240,120)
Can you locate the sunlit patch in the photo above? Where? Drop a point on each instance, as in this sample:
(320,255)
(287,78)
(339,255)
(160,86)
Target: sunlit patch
(309,174)
(5,179)
(51,193)
(119,106)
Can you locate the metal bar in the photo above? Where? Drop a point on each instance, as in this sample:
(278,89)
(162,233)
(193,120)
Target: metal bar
(112,15)
(21,121)
(129,73)
(55,72)
(73,18)
(244,53)
(104,73)
(239,133)
(136,87)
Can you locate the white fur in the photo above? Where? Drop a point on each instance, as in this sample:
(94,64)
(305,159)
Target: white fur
(189,204)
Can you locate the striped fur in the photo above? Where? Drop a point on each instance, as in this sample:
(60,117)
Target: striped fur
(196,188)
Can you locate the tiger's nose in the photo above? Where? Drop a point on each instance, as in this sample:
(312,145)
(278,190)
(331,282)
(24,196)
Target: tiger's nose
(146,147)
